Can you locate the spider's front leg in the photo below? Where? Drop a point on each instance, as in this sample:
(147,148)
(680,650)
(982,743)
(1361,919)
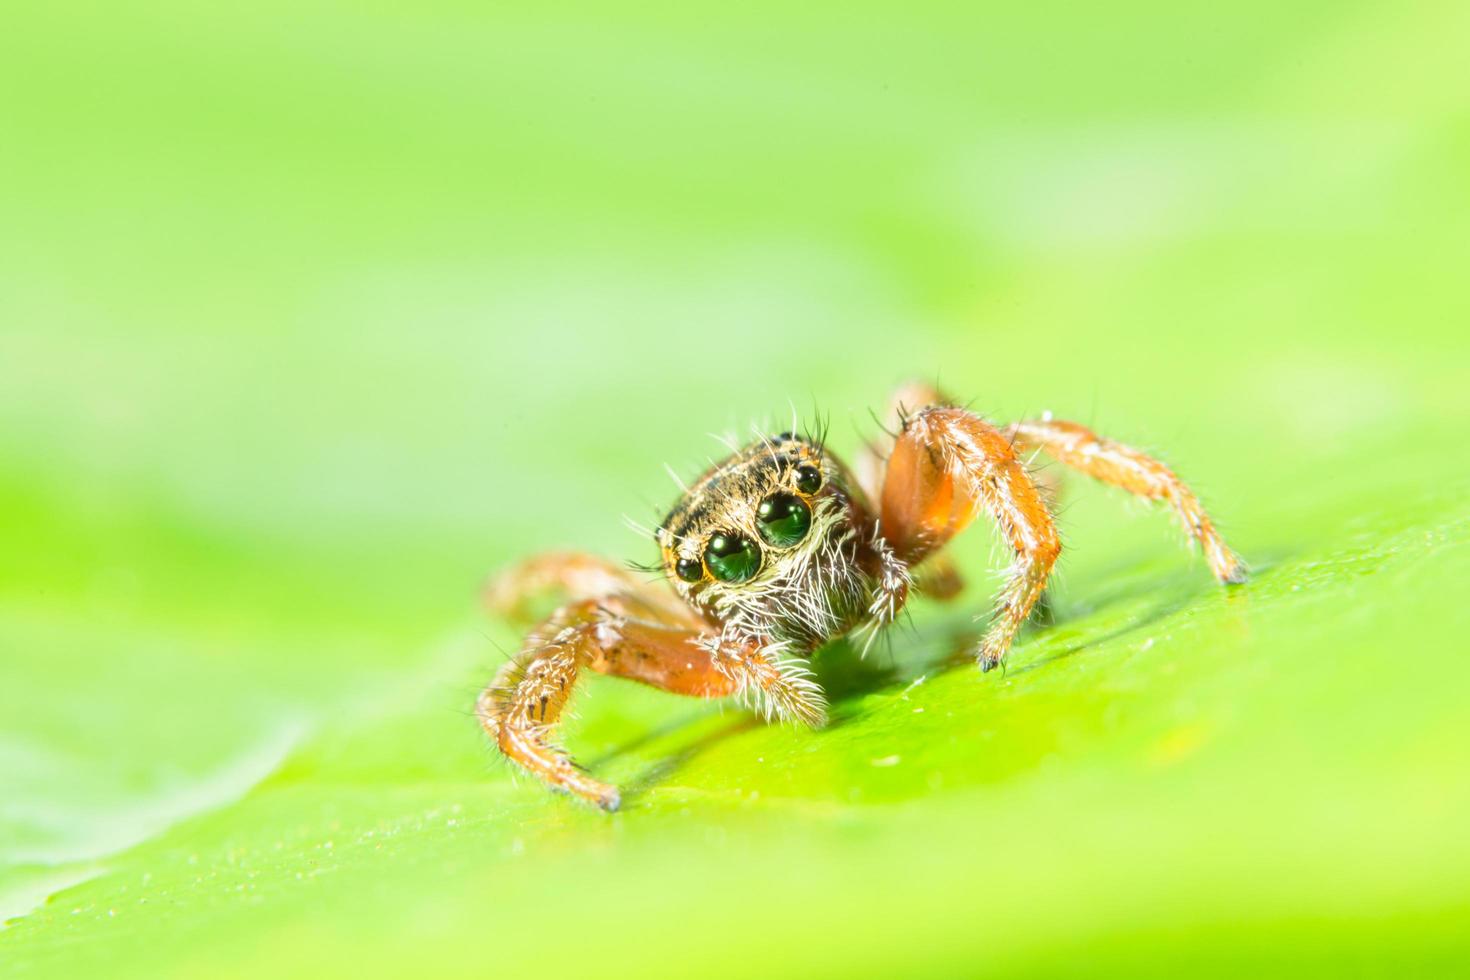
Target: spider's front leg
(522,706)
(945,465)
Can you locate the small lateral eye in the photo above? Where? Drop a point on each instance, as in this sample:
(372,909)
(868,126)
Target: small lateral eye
(784,519)
(732,557)
(689,569)
(808,478)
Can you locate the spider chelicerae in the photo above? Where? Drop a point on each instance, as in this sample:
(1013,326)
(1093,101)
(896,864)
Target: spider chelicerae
(781,548)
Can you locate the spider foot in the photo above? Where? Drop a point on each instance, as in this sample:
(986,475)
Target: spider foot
(1236,576)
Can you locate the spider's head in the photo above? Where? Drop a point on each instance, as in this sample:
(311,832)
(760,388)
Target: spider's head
(766,543)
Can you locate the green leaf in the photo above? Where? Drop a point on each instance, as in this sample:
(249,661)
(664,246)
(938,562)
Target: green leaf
(316,315)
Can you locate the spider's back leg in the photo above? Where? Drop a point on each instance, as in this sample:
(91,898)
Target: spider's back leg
(1123,466)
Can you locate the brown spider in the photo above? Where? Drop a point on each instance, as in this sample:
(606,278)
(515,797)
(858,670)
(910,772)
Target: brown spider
(780,548)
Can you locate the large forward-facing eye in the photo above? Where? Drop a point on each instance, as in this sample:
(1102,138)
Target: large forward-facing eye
(732,557)
(784,519)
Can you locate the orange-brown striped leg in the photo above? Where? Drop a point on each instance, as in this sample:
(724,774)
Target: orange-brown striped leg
(1123,466)
(572,577)
(947,464)
(521,708)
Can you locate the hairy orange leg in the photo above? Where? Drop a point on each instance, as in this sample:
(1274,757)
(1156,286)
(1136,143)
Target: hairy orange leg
(1113,463)
(946,465)
(522,706)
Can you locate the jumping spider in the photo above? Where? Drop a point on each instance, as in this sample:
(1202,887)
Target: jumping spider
(781,548)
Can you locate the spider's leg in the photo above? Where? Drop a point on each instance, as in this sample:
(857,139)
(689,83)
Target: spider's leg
(1122,466)
(777,685)
(522,706)
(573,577)
(946,465)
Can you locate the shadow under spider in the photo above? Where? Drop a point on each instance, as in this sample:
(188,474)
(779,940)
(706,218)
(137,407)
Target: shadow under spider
(648,737)
(846,675)
(635,788)
(1159,613)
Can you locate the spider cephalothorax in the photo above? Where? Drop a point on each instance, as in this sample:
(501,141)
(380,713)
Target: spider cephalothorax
(768,543)
(780,548)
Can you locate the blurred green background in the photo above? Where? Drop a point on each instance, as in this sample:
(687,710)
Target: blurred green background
(312,314)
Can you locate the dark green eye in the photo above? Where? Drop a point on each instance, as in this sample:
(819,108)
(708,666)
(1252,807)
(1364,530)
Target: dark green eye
(784,519)
(808,478)
(689,569)
(732,557)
